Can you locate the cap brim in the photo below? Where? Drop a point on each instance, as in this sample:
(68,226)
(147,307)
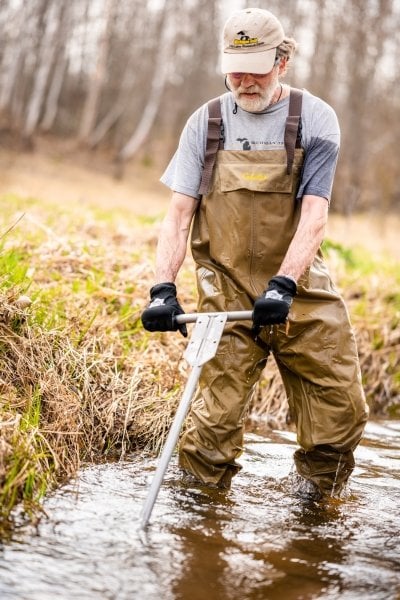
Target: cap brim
(248,62)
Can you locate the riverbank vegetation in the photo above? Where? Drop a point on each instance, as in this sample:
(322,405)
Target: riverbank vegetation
(81,381)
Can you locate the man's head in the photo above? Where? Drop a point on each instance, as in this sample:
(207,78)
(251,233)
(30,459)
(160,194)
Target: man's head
(250,39)
(255,53)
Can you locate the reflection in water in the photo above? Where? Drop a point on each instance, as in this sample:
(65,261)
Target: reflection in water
(258,555)
(253,542)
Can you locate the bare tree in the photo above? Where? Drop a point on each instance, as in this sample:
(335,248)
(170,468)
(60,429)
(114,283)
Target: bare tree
(124,69)
(45,61)
(159,75)
(98,76)
(365,31)
(12,54)
(60,66)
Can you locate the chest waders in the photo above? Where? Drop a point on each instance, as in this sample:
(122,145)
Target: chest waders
(241,232)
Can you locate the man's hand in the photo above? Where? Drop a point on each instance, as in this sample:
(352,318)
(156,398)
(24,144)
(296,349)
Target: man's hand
(272,307)
(162,310)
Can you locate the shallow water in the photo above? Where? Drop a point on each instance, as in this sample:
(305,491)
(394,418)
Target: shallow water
(253,542)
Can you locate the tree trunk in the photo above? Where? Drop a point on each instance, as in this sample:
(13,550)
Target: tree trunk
(46,56)
(51,108)
(117,107)
(12,57)
(146,122)
(90,108)
(61,62)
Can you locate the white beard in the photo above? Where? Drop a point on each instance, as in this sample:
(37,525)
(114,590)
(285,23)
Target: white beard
(257,103)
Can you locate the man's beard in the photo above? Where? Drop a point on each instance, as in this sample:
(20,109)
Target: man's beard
(257,103)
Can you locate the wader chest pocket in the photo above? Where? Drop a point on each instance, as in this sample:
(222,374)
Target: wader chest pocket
(256,177)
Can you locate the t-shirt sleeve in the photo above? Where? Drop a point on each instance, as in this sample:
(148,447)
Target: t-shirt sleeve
(322,151)
(184,172)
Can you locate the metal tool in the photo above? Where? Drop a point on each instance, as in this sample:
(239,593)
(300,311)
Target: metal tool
(202,347)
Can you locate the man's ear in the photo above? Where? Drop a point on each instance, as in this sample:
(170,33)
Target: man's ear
(283,65)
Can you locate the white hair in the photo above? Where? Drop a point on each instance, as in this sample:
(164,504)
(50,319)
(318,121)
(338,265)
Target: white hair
(287,48)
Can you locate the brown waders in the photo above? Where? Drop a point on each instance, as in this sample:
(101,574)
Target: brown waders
(241,233)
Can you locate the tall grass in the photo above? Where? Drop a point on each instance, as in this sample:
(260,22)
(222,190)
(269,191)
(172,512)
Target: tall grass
(371,287)
(80,380)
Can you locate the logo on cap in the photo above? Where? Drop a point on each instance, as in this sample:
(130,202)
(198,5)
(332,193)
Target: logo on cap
(244,41)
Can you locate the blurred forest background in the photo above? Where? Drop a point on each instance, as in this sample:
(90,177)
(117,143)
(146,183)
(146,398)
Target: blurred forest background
(122,76)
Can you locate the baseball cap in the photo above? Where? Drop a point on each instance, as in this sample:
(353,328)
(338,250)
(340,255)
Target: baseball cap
(250,39)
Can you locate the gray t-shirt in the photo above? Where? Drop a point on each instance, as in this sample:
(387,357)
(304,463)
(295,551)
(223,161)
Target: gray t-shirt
(320,138)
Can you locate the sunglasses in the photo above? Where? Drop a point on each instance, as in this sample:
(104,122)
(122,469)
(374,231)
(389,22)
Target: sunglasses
(256,76)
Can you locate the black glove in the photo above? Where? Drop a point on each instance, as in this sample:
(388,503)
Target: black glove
(273,305)
(162,310)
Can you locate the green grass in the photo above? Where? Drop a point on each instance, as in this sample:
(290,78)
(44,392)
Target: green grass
(24,480)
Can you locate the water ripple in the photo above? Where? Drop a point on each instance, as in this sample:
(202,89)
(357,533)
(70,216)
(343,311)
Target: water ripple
(253,542)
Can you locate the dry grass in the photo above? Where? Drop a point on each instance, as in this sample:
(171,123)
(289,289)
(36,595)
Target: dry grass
(82,381)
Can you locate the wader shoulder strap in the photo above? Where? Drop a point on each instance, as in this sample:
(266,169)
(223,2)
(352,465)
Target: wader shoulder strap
(293,126)
(214,143)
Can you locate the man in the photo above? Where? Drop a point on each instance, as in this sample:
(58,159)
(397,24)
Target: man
(254,171)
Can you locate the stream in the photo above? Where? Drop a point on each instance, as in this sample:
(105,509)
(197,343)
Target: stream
(253,542)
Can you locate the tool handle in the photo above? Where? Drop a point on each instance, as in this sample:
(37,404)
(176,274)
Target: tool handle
(235,315)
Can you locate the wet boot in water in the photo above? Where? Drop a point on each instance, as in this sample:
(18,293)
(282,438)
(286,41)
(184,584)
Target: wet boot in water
(304,488)
(322,473)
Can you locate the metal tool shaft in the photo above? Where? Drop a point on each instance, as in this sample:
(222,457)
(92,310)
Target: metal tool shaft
(202,347)
(170,444)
